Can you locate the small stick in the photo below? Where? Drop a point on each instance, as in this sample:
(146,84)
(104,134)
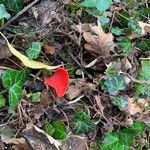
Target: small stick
(19,14)
(76,61)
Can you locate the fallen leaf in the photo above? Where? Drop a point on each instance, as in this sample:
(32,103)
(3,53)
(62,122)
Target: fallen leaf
(18,144)
(100,42)
(48,48)
(74,143)
(145,27)
(38,139)
(133,106)
(4,51)
(59,81)
(26,61)
(145,118)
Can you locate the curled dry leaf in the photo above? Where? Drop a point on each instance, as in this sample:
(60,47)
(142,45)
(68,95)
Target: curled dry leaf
(145,27)
(133,106)
(100,42)
(38,139)
(4,51)
(48,48)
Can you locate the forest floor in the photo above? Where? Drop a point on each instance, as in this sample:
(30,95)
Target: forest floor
(74,75)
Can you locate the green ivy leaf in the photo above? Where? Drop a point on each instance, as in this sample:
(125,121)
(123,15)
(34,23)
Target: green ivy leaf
(113,84)
(122,140)
(82,123)
(126,44)
(143,89)
(117,31)
(143,45)
(10,77)
(15,93)
(120,101)
(14,5)
(36,97)
(13,81)
(3,12)
(2,101)
(34,50)
(60,132)
(48,128)
(101,5)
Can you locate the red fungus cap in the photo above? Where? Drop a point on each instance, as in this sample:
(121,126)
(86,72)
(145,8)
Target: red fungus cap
(59,81)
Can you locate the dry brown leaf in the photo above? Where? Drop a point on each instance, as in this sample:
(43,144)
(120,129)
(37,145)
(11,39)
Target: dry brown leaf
(48,48)
(100,42)
(145,27)
(19,144)
(133,106)
(4,51)
(145,118)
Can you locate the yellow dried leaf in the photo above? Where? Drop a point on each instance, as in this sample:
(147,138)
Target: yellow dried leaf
(26,61)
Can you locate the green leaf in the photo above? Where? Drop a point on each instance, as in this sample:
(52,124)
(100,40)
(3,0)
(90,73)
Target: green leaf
(3,12)
(10,77)
(103,20)
(36,97)
(134,26)
(143,89)
(2,101)
(82,123)
(143,45)
(101,5)
(117,31)
(13,81)
(126,44)
(138,127)
(60,130)
(113,84)
(48,128)
(120,101)
(34,50)
(14,5)
(15,93)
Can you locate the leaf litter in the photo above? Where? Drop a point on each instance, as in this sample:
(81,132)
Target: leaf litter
(102,48)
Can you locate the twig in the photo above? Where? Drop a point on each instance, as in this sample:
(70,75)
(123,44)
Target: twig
(19,14)
(76,61)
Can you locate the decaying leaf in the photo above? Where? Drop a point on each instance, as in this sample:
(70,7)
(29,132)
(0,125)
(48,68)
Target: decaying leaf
(98,42)
(133,106)
(18,144)
(38,139)
(74,143)
(26,61)
(48,48)
(145,27)
(4,51)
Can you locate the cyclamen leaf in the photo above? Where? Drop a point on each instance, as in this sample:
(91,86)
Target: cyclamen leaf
(101,5)
(34,50)
(134,26)
(126,44)
(26,61)
(2,101)
(60,132)
(113,84)
(117,31)
(15,93)
(14,5)
(3,12)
